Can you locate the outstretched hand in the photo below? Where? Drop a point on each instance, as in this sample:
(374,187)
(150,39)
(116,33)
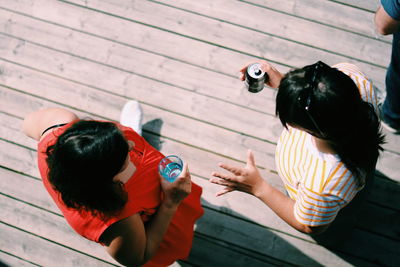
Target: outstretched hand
(274,76)
(246,179)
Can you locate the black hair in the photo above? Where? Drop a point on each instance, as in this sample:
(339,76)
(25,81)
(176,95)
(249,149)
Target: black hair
(82,164)
(336,112)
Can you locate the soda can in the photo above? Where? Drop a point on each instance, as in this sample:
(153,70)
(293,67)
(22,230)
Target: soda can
(255,78)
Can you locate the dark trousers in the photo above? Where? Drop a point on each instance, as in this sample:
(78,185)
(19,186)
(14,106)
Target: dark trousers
(391,106)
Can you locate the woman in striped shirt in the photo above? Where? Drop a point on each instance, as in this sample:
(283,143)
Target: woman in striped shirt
(329,146)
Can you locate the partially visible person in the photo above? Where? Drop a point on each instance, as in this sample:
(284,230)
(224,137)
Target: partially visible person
(104,178)
(327,151)
(387,21)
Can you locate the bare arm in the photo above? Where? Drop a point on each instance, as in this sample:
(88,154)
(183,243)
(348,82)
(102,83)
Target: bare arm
(249,180)
(130,242)
(36,122)
(384,23)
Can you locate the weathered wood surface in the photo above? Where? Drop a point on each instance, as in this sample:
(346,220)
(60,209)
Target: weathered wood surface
(180,59)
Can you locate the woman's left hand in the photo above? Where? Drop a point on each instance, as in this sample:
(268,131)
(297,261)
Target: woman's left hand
(246,179)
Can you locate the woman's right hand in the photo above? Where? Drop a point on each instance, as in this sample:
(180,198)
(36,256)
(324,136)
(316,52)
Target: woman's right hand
(175,192)
(274,76)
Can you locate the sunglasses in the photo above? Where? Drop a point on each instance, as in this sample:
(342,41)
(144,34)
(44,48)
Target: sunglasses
(316,69)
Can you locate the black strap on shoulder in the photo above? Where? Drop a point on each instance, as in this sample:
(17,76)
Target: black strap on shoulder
(54,126)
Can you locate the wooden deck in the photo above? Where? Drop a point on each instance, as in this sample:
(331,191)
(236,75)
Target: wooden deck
(180,59)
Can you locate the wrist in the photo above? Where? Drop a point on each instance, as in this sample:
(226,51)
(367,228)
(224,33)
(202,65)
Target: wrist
(169,206)
(262,190)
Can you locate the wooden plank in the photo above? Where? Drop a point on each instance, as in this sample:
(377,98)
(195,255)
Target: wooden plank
(388,165)
(12,260)
(370,5)
(146,37)
(332,13)
(380,221)
(167,64)
(221,254)
(249,43)
(260,239)
(41,251)
(231,36)
(48,225)
(297,29)
(385,193)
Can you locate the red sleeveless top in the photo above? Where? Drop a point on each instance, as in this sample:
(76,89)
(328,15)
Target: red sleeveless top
(144,197)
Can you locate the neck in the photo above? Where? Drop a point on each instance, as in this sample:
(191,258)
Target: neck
(126,174)
(323,145)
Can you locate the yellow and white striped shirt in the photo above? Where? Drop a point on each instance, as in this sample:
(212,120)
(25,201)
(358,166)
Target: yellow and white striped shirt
(319,182)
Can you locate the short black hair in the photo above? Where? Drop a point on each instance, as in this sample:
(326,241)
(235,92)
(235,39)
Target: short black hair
(82,164)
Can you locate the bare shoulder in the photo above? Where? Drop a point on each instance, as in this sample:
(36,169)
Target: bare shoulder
(36,122)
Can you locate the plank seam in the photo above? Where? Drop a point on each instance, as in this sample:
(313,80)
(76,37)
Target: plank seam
(353,6)
(31,204)
(318,22)
(20,258)
(122,70)
(57,243)
(259,31)
(259,256)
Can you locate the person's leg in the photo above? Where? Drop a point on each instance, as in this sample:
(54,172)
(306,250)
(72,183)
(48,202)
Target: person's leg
(391,106)
(132,115)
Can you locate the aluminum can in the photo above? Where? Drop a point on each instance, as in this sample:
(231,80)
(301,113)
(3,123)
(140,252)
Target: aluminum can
(255,78)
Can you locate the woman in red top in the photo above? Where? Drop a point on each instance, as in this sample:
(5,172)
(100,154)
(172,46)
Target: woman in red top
(104,178)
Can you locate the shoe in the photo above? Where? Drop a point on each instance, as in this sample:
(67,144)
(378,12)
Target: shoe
(389,128)
(385,124)
(132,116)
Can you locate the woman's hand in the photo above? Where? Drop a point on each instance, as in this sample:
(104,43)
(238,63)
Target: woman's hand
(175,192)
(246,179)
(274,76)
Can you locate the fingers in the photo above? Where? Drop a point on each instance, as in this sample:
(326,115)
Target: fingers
(185,170)
(226,177)
(235,170)
(250,159)
(243,70)
(224,191)
(229,186)
(222,181)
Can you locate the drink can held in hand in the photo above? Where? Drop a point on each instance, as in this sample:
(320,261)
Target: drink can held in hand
(255,78)
(170,167)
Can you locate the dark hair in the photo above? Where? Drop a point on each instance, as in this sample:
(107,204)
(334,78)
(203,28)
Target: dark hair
(82,164)
(336,109)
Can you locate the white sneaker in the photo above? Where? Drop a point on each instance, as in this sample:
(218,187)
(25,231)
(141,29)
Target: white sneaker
(132,116)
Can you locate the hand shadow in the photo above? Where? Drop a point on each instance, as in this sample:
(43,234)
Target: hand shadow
(151,133)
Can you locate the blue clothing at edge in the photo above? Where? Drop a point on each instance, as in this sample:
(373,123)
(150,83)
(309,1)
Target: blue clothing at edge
(391,106)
